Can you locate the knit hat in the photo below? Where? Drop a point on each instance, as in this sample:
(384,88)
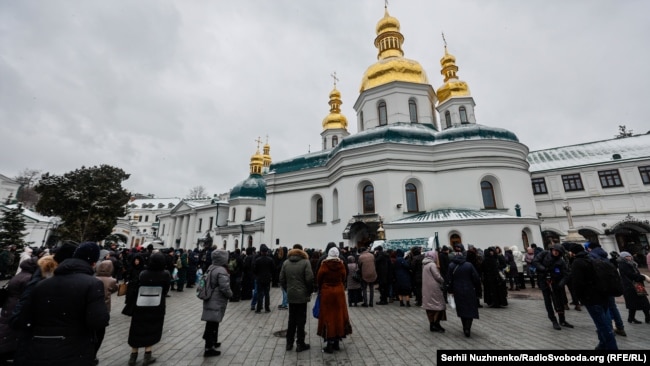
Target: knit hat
(333,253)
(576,248)
(625,254)
(88,251)
(65,251)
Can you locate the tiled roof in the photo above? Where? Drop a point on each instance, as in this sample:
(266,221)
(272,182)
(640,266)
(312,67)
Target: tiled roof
(591,153)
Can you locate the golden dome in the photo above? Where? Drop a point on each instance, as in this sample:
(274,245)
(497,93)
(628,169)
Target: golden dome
(452,87)
(257,161)
(335,120)
(267,155)
(391,64)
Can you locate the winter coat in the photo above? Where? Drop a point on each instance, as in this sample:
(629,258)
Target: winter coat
(263,268)
(147,321)
(367,264)
(334,321)
(518,258)
(383,266)
(432,281)
(65,311)
(103,271)
(16,286)
(296,277)
(133,280)
(351,283)
(630,274)
(214,308)
(464,281)
(403,275)
(552,267)
(583,280)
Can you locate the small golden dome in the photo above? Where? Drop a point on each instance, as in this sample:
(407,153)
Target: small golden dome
(335,120)
(391,64)
(267,155)
(257,161)
(452,87)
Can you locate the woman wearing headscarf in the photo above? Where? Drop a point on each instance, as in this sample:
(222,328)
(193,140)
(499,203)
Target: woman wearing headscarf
(354,285)
(433,300)
(214,308)
(629,275)
(333,321)
(494,286)
(462,281)
(147,321)
(133,281)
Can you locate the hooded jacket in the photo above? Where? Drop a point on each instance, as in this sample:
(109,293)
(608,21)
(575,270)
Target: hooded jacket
(297,277)
(214,308)
(103,270)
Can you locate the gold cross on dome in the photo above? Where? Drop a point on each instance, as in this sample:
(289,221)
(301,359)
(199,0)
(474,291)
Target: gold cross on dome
(259,141)
(444,40)
(335,78)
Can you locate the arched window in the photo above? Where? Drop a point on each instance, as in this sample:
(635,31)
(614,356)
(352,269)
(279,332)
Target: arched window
(463,115)
(335,205)
(383,115)
(248,213)
(234,211)
(361,120)
(319,210)
(224,244)
(250,241)
(454,239)
(335,141)
(413,111)
(411,198)
(448,119)
(488,195)
(368,199)
(324,142)
(236,244)
(524,239)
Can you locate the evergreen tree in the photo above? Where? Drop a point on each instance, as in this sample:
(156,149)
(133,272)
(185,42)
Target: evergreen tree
(12,227)
(88,200)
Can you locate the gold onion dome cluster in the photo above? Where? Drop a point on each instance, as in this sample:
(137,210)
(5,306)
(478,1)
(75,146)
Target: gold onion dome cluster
(257,162)
(391,64)
(335,120)
(452,87)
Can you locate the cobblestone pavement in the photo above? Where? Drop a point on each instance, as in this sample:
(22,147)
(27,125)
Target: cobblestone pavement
(382,335)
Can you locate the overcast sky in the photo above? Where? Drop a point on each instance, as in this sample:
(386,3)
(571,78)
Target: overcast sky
(176,92)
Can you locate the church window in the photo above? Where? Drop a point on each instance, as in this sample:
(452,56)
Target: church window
(645,174)
(361,120)
(610,178)
(335,205)
(448,119)
(383,115)
(368,199)
(200,224)
(319,210)
(539,186)
(463,115)
(488,195)
(234,211)
(524,239)
(236,244)
(248,213)
(211,222)
(250,241)
(324,143)
(411,198)
(572,182)
(335,141)
(413,111)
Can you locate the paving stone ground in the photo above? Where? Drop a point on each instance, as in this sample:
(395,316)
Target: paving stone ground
(382,335)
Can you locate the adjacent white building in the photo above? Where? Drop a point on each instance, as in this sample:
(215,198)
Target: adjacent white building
(605,184)
(38,228)
(8,189)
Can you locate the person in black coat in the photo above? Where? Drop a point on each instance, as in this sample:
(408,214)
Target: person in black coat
(147,321)
(552,274)
(462,281)
(65,311)
(629,274)
(193,257)
(494,286)
(248,278)
(132,279)
(383,266)
(263,269)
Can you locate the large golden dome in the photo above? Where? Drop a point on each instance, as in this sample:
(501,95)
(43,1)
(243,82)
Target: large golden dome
(335,120)
(391,64)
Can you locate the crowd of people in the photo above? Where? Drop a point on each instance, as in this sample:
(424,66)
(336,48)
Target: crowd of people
(59,302)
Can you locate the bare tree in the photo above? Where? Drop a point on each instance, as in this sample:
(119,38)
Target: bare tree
(623,132)
(197,192)
(28,178)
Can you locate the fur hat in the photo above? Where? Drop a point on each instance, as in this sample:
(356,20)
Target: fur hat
(333,253)
(88,251)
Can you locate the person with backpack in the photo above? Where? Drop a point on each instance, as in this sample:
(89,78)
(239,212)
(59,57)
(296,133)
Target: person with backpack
(552,274)
(584,281)
(596,252)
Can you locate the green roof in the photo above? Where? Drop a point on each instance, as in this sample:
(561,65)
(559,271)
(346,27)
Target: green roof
(252,187)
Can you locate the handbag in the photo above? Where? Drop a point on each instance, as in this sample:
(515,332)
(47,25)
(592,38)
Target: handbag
(451,301)
(149,296)
(639,287)
(122,288)
(315,311)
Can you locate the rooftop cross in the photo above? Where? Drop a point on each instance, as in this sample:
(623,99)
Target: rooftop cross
(259,141)
(335,78)
(444,40)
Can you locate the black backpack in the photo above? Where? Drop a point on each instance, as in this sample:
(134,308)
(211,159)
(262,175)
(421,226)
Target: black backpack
(608,280)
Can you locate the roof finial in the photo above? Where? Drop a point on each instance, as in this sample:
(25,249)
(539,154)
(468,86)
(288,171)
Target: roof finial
(335,78)
(444,41)
(386,4)
(259,141)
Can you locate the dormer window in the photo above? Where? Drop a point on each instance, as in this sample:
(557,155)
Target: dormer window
(413,111)
(383,115)
(463,115)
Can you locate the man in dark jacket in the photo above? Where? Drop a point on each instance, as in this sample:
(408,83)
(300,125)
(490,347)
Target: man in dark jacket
(383,266)
(65,311)
(596,252)
(583,278)
(297,279)
(263,269)
(552,274)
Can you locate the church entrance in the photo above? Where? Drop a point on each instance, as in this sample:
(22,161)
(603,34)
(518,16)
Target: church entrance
(631,236)
(361,231)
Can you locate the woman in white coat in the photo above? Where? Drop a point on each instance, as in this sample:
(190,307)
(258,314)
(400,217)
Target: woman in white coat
(214,308)
(433,300)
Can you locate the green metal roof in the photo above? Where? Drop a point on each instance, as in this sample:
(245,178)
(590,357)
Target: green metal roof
(475,131)
(252,187)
